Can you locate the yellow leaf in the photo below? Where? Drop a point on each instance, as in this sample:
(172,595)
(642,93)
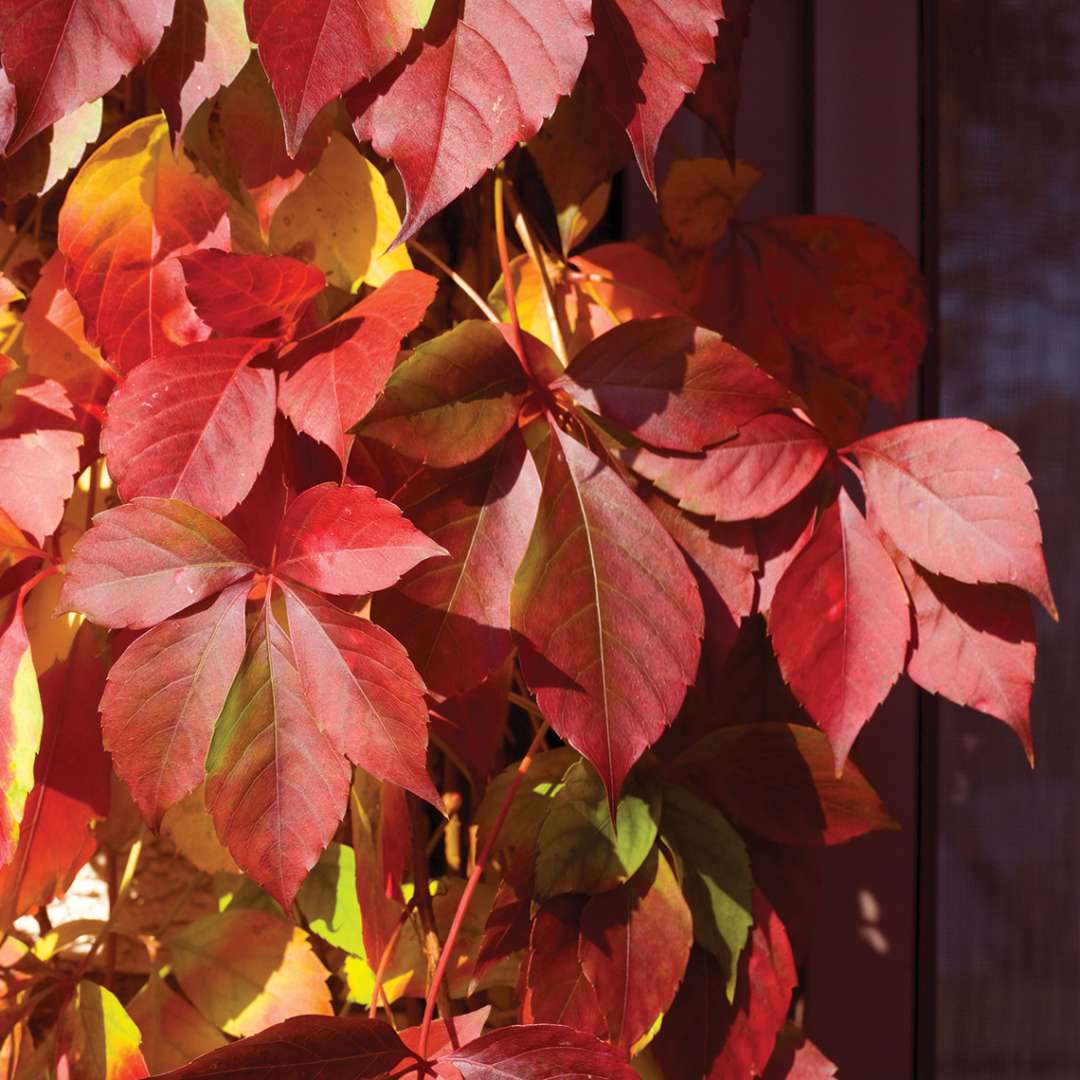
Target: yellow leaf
(100,1039)
(189,827)
(700,196)
(342,219)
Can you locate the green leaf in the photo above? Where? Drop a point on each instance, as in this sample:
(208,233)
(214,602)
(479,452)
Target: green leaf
(714,870)
(579,849)
(327,900)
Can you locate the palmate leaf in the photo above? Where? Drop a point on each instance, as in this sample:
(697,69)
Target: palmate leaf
(173,1031)
(840,624)
(540,1052)
(671,383)
(467,91)
(194,425)
(59,54)
(132,206)
(603,587)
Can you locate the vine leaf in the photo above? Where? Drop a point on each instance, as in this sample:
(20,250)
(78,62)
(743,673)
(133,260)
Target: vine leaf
(634,947)
(754,474)
(276,786)
(194,425)
(840,624)
(67,52)
(954,497)
(173,1031)
(261,296)
(453,613)
(466,93)
(334,375)
(452,399)
(540,1052)
(147,560)
(646,56)
(245,970)
(310,1047)
(204,49)
(97,1038)
(601,590)
(670,383)
(133,207)
(163,697)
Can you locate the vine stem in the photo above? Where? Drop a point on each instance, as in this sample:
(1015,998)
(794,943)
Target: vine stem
(504,265)
(456,278)
(384,962)
(470,889)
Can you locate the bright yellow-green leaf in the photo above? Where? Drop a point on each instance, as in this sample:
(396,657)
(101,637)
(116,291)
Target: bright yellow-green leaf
(342,219)
(327,900)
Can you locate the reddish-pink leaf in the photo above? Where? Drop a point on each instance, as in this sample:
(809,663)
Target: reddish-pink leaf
(203,49)
(646,57)
(335,374)
(717,96)
(780,537)
(464,95)
(840,624)
(761,469)
(954,497)
(314,50)
(452,400)
(71,784)
(62,53)
(309,1048)
(797,1058)
(635,943)
(446,1036)
(704,1037)
(346,540)
(135,204)
(472,726)
(540,1052)
(144,561)
(195,426)
(37,476)
(556,989)
(779,781)
(671,383)
(164,696)
(608,613)
(250,295)
(275,785)
(362,689)
(453,613)
(974,644)
(8,109)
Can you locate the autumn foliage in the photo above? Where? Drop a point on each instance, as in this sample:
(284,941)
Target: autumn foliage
(486,614)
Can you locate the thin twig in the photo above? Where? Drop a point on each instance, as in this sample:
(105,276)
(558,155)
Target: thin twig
(456,278)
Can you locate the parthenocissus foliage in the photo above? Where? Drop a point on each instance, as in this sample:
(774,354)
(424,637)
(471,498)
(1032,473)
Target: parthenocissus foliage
(490,637)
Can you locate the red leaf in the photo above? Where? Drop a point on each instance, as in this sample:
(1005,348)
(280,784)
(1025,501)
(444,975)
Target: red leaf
(671,383)
(346,540)
(362,689)
(797,1058)
(717,96)
(556,989)
(466,94)
(314,51)
(8,109)
(452,400)
(954,497)
(71,787)
(608,614)
(453,613)
(275,786)
(164,696)
(336,373)
(840,625)
(540,1052)
(62,53)
(195,426)
(37,476)
(309,1047)
(647,56)
(780,537)
(974,644)
(250,295)
(761,469)
(703,1037)
(203,49)
(635,943)
(147,560)
(134,205)
(446,1036)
